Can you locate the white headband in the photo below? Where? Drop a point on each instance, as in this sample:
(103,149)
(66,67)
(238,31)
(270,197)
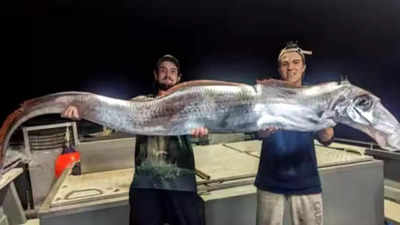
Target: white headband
(298,50)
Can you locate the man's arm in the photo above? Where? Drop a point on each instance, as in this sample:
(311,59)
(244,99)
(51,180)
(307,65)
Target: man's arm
(325,136)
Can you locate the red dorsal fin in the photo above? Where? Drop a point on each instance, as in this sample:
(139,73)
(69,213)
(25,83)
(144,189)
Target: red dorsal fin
(201,83)
(276,83)
(10,120)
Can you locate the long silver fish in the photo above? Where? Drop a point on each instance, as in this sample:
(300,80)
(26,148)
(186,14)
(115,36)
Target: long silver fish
(224,107)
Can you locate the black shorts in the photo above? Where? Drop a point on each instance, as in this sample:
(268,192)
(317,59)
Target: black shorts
(157,207)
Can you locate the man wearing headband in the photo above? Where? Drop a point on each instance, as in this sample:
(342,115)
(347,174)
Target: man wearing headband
(288,171)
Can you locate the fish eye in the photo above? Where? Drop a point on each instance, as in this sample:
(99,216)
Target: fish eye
(363,102)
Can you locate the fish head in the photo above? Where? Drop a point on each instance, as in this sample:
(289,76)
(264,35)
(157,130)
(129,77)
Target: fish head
(364,111)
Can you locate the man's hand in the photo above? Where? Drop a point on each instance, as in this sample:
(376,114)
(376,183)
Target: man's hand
(265,133)
(325,136)
(71,112)
(200,132)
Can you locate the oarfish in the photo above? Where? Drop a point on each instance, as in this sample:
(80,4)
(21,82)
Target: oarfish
(224,107)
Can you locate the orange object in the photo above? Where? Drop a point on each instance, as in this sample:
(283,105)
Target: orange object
(65,160)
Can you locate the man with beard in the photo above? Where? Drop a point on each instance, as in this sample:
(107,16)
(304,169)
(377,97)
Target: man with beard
(164,188)
(288,171)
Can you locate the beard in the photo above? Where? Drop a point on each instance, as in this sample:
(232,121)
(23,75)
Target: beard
(164,87)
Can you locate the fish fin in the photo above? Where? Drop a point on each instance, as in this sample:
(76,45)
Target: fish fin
(276,83)
(141,98)
(344,80)
(328,117)
(201,83)
(10,120)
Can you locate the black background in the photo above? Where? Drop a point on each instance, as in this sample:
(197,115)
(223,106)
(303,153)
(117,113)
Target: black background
(110,47)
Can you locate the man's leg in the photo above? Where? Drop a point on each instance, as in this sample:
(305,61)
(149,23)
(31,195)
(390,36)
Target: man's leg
(185,208)
(145,207)
(270,208)
(306,209)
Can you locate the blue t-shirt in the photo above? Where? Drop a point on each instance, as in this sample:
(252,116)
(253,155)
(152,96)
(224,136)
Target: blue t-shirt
(288,164)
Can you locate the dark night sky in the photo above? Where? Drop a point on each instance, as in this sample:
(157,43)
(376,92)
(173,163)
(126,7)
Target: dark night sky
(111,48)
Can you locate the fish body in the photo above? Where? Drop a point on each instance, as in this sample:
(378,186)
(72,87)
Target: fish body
(224,108)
